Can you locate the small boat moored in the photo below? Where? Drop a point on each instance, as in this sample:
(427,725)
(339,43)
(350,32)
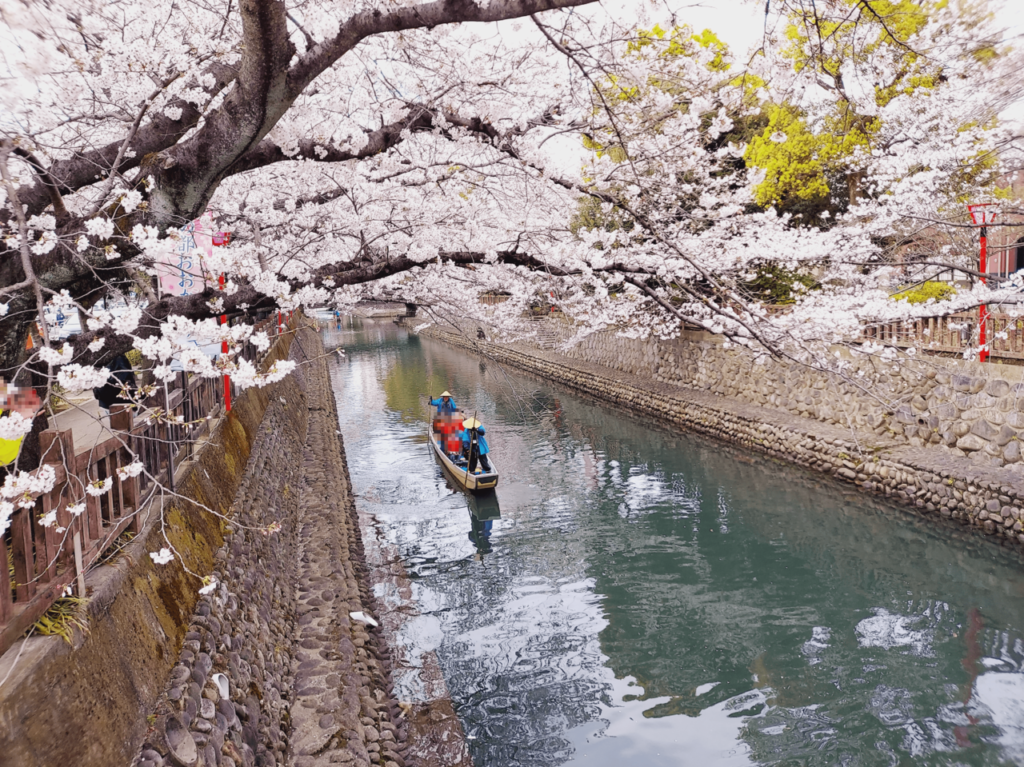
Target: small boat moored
(468,473)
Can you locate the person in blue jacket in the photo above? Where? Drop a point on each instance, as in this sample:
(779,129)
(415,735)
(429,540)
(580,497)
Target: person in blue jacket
(445,404)
(467,440)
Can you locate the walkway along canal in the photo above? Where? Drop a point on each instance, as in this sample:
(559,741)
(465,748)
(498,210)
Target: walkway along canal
(652,597)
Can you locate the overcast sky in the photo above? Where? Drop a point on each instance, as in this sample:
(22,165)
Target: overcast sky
(741,22)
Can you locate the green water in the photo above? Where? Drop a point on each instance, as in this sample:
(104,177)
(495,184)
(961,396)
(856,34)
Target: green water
(650,597)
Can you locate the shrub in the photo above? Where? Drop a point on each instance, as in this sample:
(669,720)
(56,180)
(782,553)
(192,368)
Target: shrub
(919,294)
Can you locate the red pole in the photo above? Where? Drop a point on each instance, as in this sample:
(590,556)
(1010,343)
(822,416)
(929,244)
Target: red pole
(224,351)
(983,310)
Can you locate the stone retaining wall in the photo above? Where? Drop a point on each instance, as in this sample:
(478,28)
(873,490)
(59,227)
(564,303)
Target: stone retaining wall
(937,483)
(955,406)
(267,669)
(306,684)
(84,703)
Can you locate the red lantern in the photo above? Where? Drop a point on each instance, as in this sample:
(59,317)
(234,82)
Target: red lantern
(221,238)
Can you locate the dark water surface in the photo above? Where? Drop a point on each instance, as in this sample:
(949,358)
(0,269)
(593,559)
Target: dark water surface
(653,598)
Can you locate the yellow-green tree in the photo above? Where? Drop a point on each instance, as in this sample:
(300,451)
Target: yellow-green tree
(810,161)
(681,89)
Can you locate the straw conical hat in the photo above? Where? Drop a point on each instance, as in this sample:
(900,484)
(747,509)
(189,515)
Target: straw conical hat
(471,423)
(446,394)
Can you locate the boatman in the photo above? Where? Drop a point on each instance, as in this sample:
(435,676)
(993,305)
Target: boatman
(445,404)
(470,426)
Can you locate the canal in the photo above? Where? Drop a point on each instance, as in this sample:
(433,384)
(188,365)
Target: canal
(650,597)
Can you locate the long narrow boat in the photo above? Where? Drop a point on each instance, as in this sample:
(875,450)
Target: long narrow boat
(478,482)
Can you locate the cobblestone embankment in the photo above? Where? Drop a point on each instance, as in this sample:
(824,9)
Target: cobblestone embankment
(940,484)
(274,671)
(84,702)
(956,406)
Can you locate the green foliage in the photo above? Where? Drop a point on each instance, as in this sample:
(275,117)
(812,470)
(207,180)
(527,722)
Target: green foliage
(777,285)
(681,43)
(590,216)
(809,172)
(708,39)
(838,37)
(919,294)
(802,167)
(793,167)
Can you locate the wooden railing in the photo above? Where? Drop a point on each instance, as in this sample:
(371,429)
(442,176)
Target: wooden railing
(48,560)
(492,300)
(935,334)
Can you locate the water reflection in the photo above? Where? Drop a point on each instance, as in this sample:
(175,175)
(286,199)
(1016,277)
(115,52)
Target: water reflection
(652,598)
(483,511)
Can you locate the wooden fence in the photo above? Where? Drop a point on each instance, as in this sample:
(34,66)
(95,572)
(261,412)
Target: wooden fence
(45,561)
(953,334)
(490,299)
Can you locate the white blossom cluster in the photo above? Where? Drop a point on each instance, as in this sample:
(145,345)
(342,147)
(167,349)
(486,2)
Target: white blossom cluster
(22,489)
(14,426)
(574,162)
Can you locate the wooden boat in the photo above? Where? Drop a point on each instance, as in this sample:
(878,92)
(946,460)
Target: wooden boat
(478,482)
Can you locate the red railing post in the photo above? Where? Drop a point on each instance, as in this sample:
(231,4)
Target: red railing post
(224,351)
(983,310)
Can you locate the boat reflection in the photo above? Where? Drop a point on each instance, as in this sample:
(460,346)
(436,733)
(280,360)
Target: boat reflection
(483,510)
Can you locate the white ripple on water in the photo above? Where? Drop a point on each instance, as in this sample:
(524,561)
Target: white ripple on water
(889,631)
(818,642)
(999,697)
(624,735)
(418,636)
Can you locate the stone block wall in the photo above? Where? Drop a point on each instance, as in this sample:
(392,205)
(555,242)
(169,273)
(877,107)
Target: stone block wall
(273,670)
(242,630)
(936,483)
(958,407)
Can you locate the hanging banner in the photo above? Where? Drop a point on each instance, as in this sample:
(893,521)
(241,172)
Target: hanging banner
(184,273)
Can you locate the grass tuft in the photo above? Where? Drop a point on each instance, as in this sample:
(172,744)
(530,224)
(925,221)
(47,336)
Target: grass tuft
(64,616)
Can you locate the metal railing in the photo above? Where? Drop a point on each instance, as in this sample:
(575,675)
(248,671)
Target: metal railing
(46,560)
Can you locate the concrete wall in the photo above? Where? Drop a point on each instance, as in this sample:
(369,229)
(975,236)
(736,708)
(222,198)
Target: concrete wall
(961,408)
(85,704)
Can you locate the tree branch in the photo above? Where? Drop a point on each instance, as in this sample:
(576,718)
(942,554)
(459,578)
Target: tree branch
(161,132)
(421,16)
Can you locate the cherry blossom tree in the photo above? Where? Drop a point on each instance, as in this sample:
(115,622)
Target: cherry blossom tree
(430,152)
